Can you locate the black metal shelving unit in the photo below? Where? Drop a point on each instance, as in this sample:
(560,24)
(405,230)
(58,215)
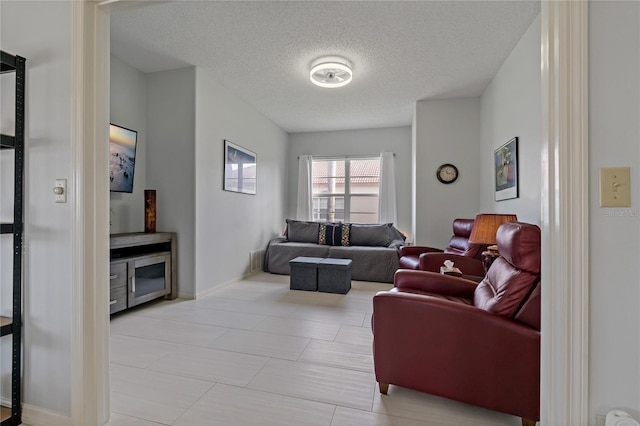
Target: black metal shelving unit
(12,326)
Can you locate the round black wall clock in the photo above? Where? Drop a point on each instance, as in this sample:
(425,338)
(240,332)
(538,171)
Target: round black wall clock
(447,173)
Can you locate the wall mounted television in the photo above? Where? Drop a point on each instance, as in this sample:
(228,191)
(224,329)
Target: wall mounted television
(122,158)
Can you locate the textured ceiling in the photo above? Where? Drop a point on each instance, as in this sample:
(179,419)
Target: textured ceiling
(401,52)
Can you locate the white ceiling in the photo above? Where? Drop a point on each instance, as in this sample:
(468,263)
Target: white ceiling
(262,50)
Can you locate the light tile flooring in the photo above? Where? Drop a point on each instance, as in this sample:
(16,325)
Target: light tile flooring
(257,353)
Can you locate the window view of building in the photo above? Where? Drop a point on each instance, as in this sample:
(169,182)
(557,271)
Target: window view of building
(346,190)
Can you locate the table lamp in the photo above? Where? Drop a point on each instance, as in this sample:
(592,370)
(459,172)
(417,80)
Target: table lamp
(484,232)
(486,225)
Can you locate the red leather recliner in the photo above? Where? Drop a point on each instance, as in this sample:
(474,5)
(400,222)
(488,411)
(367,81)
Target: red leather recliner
(475,343)
(465,255)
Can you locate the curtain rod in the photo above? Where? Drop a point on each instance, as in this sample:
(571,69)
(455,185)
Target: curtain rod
(339,157)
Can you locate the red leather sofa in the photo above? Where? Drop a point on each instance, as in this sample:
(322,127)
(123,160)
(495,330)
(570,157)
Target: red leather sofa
(475,343)
(466,256)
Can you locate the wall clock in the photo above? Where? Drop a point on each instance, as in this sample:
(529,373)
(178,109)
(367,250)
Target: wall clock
(447,173)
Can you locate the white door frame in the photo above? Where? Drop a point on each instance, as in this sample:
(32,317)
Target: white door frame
(565,213)
(564,48)
(90,233)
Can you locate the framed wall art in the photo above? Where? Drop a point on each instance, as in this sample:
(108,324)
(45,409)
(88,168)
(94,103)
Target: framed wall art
(122,158)
(240,169)
(506,170)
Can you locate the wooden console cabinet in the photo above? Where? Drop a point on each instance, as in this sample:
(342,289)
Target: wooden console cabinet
(143,267)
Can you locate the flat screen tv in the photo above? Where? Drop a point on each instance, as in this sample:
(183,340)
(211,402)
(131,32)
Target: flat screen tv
(122,158)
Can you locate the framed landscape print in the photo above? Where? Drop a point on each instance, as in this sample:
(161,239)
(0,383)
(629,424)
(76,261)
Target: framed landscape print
(122,158)
(506,170)
(240,169)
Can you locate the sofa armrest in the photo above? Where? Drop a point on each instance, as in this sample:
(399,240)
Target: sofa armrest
(417,250)
(277,240)
(467,265)
(432,282)
(265,262)
(396,244)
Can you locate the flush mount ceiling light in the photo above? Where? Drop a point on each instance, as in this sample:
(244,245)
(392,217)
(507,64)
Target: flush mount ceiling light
(330,74)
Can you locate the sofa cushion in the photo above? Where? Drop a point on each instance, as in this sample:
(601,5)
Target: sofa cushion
(371,235)
(302,232)
(280,253)
(334,235)
(369,263)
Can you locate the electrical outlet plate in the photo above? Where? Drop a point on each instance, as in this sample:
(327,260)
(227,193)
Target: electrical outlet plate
(615,187)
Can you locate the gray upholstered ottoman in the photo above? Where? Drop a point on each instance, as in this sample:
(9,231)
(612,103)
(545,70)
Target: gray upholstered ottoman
(334,276)
(304,273)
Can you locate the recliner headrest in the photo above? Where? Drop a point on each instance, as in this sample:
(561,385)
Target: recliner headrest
(519,244)
(463,227)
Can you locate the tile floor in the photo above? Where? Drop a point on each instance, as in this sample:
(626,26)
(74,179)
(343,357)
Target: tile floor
(256,353)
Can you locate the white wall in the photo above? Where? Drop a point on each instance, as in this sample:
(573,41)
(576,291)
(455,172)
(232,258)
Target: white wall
(356,142)
(129,109)
(230,225)
(511,106)
(171,160)
(466,132)
(446,131)
(614,140)
(47,264)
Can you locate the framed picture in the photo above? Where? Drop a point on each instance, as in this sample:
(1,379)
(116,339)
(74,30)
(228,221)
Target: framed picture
(122,158)
(240,169)
(506,170)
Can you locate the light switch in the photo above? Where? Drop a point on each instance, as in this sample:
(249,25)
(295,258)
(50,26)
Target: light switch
(60,191)
(615,187)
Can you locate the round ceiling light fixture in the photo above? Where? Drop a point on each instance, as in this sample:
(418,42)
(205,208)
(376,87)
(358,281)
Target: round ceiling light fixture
(331,73)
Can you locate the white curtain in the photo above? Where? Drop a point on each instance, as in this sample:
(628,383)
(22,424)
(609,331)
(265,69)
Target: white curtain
(387,210)
(304,188)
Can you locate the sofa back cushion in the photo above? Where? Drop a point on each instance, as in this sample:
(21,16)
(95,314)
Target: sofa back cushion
(302,232)
(382,235)
(371,235)
(503,289)
(463,227)
(459,243)
(519,244)
(513,276)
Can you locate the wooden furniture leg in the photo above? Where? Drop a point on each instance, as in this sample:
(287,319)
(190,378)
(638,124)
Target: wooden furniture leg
(384,388)
(528,422)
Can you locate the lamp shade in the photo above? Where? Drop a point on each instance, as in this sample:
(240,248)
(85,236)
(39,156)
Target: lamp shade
(486,225)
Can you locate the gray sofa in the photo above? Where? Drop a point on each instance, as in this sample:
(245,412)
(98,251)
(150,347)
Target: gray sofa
(372,248)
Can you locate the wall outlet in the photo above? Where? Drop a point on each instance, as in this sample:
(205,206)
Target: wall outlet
(600,418)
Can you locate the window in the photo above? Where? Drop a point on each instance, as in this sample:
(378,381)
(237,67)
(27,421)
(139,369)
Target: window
(346,189)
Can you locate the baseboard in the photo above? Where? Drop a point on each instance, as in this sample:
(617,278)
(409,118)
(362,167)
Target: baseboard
(186,296)
(220,286)
(36,416)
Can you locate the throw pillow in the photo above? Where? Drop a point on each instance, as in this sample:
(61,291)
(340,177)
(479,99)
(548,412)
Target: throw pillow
(334,235)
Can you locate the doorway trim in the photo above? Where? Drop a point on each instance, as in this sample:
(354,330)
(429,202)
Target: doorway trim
(565,213)
(90,232)
(565,220)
